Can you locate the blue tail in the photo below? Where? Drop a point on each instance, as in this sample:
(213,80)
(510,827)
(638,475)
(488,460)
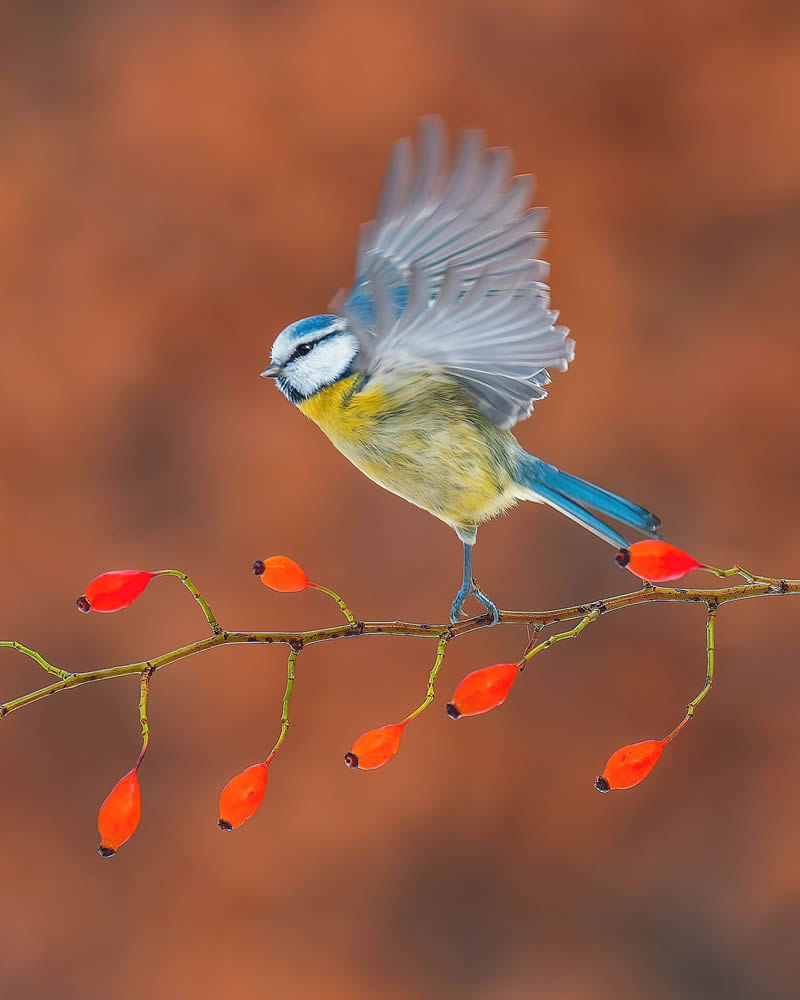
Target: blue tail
(572,496)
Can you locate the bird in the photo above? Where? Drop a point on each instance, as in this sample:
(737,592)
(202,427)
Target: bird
(442,344)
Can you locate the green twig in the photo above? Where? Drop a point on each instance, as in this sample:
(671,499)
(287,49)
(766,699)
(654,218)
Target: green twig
(57,671)
(437,665)
(342,606)
(144,691)
(553,639)
(287,697)
(212,621)
(711,622)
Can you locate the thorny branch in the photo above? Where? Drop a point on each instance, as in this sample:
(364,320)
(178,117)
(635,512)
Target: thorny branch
(479,692)
(586,613)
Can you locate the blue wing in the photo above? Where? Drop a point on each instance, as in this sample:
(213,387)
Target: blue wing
(448,277)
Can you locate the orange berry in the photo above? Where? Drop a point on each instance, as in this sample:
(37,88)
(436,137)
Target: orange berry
(114,590)
(242,796)
(630,765)
(281,573)
(374,748)
(119,815)
(483,690)
(656,561)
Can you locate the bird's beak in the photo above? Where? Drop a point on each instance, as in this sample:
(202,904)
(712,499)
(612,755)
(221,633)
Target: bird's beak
(272,372)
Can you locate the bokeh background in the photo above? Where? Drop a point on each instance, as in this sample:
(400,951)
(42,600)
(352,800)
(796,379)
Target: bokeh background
(178,182)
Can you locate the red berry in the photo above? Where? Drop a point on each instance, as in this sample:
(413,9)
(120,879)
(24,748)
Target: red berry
(630,765)
(242,796)
(281,573)
(374,748)
(114,590)
(656,561)
(119,815)
(483,690)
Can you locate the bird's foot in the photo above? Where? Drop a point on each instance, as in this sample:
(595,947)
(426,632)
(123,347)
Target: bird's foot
(458,603)
(487,602)
(472,590)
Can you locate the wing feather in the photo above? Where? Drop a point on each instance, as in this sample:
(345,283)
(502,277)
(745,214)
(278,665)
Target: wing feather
(449,279)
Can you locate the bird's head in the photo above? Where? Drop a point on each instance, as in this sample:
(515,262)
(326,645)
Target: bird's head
(311,354)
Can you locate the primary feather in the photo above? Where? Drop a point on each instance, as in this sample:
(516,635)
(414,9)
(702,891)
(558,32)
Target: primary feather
(448,280)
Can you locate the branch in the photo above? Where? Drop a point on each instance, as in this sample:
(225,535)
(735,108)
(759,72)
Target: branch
(478,692)
(648,595)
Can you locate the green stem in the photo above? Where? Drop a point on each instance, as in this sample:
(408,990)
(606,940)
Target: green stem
(57,671)
(711,623)
(738,571)
(144,691)
(212,621)
(342,606)
(431,694)
(553,639)
(287,697)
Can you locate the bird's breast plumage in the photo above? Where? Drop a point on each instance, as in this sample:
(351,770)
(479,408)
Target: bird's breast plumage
(423,440)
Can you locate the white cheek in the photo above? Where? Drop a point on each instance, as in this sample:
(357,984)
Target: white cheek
(323,366)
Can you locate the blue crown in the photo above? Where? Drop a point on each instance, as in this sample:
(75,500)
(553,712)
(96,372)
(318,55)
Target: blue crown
(311,325)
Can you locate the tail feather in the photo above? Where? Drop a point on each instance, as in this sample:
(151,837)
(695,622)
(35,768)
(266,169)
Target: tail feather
(581,515)
(572,496)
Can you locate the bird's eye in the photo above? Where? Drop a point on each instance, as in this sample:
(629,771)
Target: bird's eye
(302,349)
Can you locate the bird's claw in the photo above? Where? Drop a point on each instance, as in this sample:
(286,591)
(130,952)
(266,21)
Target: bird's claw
(458,605)
(473,590)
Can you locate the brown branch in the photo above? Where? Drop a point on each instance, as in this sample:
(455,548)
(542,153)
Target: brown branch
(755,587)
(478,692)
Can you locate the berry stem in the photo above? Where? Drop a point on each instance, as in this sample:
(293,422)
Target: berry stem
(553,639)
(144,691)
(431,693)
(342,606)
(711,625)
(287,697)
(737,571)
(204,605)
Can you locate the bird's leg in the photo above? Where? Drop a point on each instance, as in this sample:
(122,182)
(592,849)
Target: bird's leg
(469,587)
(466,586)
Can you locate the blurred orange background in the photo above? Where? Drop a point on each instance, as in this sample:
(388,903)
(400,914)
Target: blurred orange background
(177,183)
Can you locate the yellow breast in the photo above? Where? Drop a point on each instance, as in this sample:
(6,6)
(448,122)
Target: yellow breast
(423,440)
(342,412)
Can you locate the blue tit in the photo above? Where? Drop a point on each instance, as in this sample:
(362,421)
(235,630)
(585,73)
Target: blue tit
(444,342)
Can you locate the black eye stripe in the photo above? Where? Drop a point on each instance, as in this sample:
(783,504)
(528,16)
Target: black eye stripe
(302,349)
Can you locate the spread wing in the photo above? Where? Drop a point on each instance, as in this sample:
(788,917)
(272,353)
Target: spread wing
(448,279)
